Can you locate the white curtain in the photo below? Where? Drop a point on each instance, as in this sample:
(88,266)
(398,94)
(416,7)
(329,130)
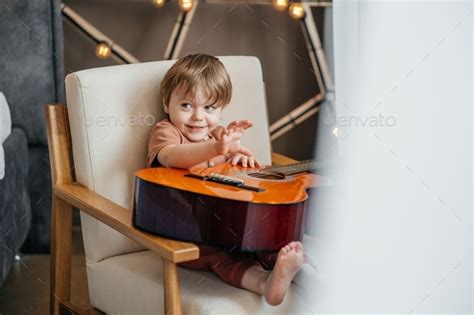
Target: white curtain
(399,238)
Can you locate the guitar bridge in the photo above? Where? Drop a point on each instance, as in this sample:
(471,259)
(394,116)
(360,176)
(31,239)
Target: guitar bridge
(226,180)
(215,177)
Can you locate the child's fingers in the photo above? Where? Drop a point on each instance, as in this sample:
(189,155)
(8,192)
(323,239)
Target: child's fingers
(244,160)
(240,124)
(257,163)
(251,161)
(245,124)
(232,125)
(235,159)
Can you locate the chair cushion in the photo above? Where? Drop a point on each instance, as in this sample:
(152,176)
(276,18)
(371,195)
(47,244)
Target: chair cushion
(132,284)
(111,112)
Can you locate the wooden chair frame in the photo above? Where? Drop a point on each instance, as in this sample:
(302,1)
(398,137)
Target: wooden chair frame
(66,193)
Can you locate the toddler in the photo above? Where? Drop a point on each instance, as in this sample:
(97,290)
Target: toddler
(194,91)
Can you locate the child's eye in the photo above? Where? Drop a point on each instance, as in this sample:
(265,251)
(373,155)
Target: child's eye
(186,106)
(210,108)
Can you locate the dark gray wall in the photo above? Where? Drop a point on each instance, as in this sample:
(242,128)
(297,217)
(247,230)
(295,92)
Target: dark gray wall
(217,29)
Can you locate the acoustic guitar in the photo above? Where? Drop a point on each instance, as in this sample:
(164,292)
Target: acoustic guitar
(228,206)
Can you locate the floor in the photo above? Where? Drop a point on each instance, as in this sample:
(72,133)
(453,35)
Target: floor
(26,289)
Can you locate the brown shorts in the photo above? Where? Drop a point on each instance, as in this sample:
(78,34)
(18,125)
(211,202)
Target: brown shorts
(229,266)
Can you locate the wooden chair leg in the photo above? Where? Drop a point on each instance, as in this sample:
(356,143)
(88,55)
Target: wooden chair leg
(61,240)
(172,292)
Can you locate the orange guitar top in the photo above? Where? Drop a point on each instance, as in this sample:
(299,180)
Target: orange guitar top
(286,191)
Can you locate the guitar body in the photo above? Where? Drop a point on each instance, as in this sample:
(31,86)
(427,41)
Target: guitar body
(169,203)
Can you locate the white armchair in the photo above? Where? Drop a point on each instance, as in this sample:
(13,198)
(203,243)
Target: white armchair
(111,111)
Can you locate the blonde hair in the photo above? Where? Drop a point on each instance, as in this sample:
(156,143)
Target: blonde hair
(196,70)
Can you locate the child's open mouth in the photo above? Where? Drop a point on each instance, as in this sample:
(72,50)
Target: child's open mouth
(195,128)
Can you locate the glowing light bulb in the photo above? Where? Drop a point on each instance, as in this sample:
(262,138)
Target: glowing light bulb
(103,50)
(280,5)
(335,132)
(185,5)
(159,3)
(296,11)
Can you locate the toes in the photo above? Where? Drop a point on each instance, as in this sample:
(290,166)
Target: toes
(288,247)
(292,245)
(298,246)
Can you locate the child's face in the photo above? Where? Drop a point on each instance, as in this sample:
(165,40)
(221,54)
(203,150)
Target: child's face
(192,113)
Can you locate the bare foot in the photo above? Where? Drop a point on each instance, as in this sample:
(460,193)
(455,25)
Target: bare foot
(289,261)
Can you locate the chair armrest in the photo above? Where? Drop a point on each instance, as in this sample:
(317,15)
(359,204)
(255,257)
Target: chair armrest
(120,219)
(279,159)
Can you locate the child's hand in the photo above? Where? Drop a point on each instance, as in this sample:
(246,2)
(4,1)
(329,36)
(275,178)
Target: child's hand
(229,143)
(239,125)
(244,160)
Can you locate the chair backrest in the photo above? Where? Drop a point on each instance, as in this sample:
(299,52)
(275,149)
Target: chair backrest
(111,113)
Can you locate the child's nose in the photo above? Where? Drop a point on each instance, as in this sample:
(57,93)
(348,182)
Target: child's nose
(198,115)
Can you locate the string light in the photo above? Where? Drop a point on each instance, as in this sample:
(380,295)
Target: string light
(159,3)
(185,5)
(296,11)
(103,50)
(280,5)
(335,132)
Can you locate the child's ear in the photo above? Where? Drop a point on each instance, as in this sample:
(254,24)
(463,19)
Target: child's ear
(165,107)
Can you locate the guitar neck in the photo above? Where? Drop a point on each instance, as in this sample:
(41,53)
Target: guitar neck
(295,168)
